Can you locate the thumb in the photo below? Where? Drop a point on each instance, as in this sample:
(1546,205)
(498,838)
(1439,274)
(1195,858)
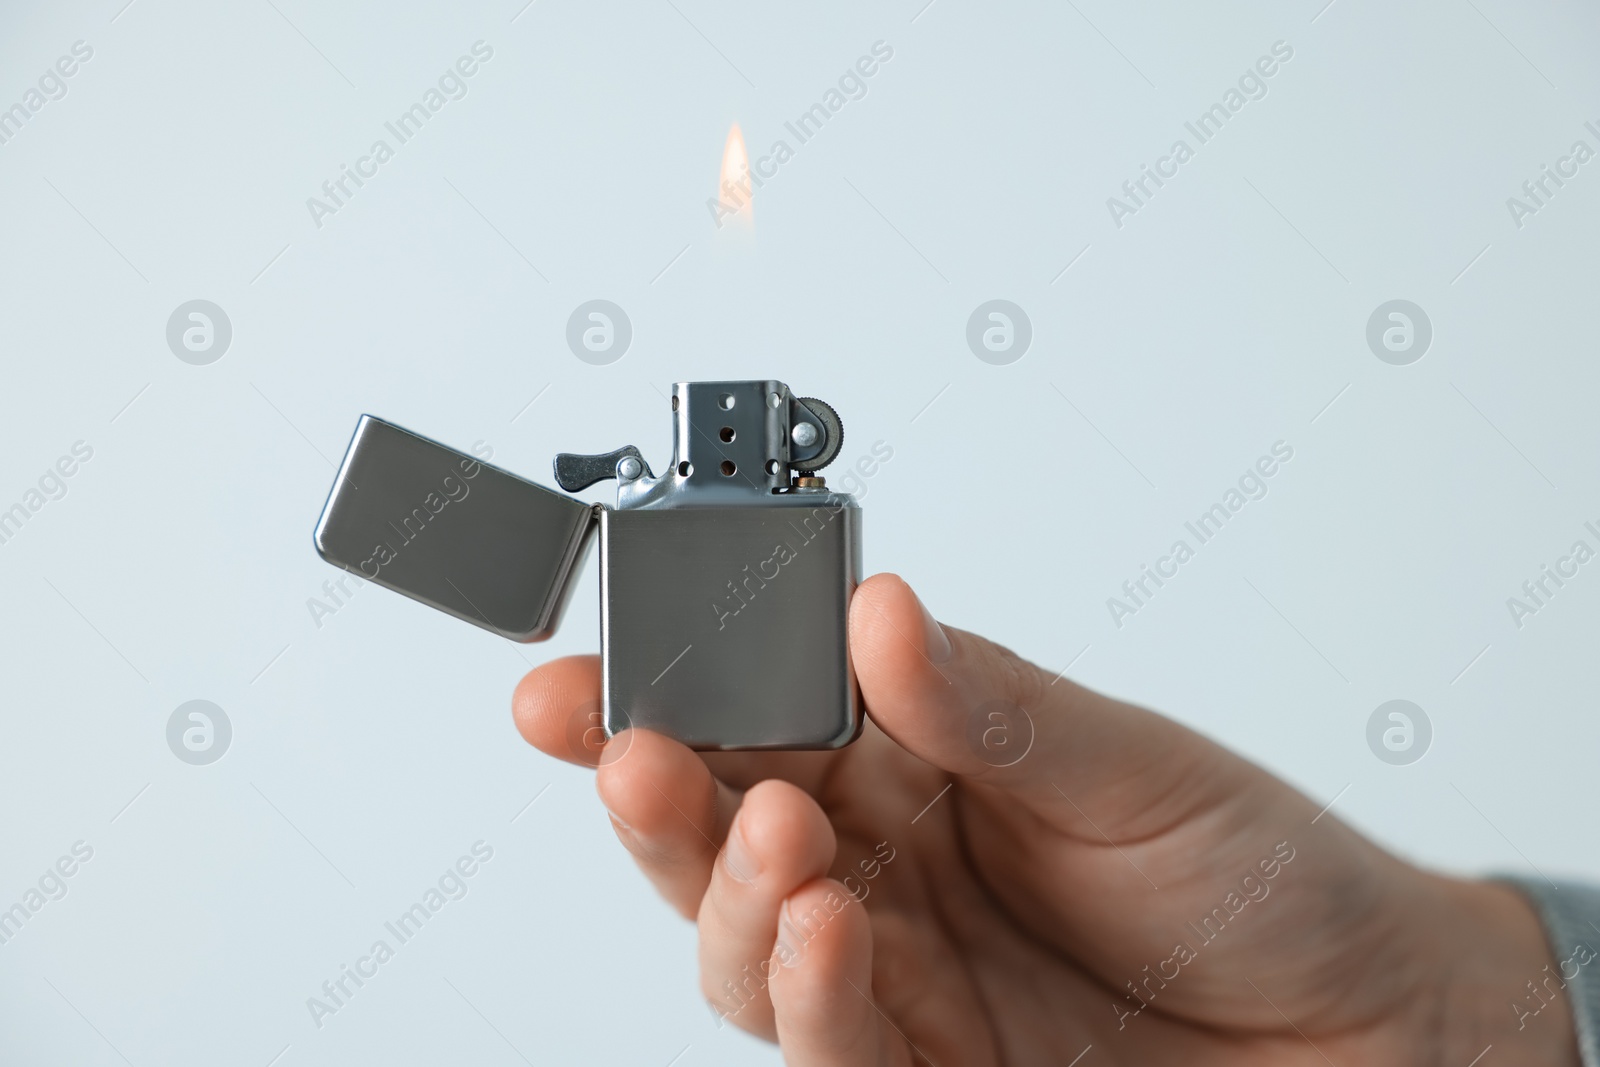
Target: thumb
(980,711)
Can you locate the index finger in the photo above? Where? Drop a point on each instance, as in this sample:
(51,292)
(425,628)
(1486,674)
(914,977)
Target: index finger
(557,710)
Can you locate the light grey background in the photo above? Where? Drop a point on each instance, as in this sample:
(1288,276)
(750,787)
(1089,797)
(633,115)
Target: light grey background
(369,753)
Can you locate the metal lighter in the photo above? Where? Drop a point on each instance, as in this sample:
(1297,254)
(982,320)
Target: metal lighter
(725,581)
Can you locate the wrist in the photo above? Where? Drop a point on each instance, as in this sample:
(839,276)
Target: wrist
(1498,985)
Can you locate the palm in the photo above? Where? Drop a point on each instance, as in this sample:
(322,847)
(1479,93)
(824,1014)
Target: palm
(1023,942)
(1125,884)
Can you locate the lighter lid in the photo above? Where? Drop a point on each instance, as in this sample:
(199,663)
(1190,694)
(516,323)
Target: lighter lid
(442,527)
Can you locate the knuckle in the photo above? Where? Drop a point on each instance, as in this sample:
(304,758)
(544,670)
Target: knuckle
(900,975)
(740,999)
(1014,678)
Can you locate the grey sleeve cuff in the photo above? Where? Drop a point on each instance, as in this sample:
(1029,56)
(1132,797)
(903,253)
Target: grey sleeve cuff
(1571,916)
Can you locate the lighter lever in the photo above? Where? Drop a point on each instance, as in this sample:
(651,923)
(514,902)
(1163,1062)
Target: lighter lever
(575,472)
(725,581)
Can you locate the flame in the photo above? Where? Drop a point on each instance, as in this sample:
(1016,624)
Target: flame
(734,186)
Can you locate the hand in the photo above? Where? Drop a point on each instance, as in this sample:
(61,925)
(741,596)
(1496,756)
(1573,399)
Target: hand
(1123,883)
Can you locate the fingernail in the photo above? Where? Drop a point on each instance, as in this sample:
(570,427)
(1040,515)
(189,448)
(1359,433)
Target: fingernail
(935,642)
(784,951)
(621,825)
(740,859)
